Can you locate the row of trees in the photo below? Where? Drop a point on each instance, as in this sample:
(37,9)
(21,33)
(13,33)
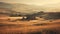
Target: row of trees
(41,14)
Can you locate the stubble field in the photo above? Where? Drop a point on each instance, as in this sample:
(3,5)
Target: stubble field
(9,25)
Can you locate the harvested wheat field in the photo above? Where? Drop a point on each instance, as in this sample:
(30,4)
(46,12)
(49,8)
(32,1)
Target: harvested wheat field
(9,25)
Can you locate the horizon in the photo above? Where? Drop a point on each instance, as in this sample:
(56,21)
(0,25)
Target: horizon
(47,5)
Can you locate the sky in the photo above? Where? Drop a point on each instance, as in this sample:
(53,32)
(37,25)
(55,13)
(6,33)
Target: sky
(44,3)
(33,2)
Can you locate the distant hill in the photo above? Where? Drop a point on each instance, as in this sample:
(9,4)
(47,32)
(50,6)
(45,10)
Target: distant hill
(27,9)
(5,5)
(22,8)
(18,9)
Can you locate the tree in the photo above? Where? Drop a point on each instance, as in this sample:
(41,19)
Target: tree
(30,17)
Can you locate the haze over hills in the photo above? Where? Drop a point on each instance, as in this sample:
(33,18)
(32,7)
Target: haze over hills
(52,7)
(23,8)
(5,5)
(29,9)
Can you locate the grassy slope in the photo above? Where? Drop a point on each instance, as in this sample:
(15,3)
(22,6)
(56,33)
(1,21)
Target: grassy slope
(29,27)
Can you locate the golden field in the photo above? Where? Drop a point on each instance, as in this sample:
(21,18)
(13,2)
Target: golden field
(13,25)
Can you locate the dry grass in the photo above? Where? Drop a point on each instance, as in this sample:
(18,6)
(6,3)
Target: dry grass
(12,26)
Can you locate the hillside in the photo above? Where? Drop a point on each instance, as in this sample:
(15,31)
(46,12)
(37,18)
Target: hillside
(11,25)
(5,5)
(19,7)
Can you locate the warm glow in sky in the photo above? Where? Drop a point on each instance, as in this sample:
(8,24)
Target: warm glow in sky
(51,4)
(34,2)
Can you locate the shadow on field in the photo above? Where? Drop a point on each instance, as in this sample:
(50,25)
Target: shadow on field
(46,31)
(10,25)
(37,32)
(41,24)
(41,31)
